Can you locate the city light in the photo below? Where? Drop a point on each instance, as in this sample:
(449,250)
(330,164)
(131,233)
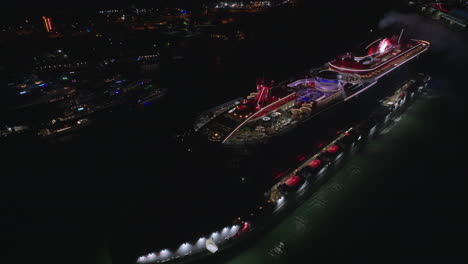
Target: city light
(46,24)
(49,23)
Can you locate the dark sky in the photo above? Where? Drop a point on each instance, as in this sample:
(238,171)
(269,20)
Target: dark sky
(16,11)
(31,6)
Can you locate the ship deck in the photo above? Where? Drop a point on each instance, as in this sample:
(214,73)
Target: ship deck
(387,63)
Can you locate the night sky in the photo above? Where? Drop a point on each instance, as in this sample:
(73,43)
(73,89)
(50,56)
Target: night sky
(17,11)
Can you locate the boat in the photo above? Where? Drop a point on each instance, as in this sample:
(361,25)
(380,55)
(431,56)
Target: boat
(276,108)
(56,132)
(156,94)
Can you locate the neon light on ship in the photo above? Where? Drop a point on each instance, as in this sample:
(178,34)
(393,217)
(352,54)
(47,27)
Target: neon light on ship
(273,108)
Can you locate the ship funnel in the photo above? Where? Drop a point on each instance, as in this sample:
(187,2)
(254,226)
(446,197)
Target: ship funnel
(263,95)
(401,34)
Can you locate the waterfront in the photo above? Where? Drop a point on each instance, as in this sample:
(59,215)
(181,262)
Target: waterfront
(403,202)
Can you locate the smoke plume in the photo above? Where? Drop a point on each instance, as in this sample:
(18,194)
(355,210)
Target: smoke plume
(452,45)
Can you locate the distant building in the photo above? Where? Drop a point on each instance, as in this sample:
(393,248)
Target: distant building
(455,18)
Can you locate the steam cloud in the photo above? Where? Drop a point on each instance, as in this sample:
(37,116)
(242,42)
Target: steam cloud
(443,39)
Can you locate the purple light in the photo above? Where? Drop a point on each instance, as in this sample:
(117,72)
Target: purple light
(327,81)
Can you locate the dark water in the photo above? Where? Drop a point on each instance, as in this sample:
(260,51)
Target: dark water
(77,200)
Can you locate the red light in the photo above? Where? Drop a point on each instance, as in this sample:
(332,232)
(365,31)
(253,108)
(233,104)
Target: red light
(315,163)
(333,149)
(279,175)
(50,24)
(441,8)
(246,227)
(293,181)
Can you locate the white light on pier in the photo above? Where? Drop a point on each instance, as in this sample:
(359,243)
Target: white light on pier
(201,242)
(225,232)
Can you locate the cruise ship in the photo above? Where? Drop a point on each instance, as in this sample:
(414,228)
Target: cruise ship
(276,108)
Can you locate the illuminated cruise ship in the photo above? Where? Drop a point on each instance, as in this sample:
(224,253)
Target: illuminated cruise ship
(273,109)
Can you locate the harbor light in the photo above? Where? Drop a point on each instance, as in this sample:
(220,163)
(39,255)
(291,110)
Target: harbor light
(165,253)
(201,242)
(234,230)
(184,248)
(280,202)
(151,256)
(225,231)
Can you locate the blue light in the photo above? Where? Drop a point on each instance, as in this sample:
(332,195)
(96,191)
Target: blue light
(23,92)
(42,84)
(116,92)
(80,109)
(326,80)
(183,11)
(146,103)
(139,58)
(142,83)
(118,82)
(88,30)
